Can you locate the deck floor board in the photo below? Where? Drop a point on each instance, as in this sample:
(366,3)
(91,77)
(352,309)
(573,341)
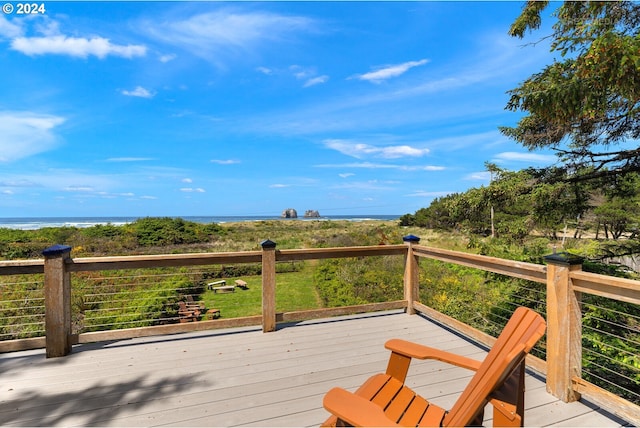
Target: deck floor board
(243,377)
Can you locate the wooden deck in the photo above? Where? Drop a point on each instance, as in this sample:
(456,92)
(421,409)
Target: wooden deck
(243,377)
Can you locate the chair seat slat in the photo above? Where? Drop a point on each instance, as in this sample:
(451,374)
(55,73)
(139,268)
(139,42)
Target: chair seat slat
(400,404)
(415,412)
(433,416)
(387,393)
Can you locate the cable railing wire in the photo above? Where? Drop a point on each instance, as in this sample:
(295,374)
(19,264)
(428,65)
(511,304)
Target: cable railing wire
(105,302)
(606,333)
(601,357)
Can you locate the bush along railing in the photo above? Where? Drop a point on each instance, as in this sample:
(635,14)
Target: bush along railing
(566,287)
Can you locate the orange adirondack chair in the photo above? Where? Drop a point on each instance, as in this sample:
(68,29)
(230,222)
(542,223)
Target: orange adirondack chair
(384,400)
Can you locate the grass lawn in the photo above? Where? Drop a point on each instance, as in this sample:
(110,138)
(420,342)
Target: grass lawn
(294,291)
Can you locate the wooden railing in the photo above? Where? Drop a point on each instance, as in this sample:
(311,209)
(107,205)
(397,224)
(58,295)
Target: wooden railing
(565,282)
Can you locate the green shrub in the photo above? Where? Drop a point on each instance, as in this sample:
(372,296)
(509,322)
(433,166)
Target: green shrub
(103,231)
(344,282)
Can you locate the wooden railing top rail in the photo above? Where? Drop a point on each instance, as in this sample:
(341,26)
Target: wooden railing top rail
(21,267)
(523,270)
(626,290)
(161,260)
(81,264)
(339,252)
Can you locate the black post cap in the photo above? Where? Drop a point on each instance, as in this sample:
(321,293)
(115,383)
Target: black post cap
(564,258)
(267,244)
(411,238)
(56,250)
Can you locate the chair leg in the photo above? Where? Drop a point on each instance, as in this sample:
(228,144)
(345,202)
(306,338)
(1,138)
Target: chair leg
(334,421)
(342,423)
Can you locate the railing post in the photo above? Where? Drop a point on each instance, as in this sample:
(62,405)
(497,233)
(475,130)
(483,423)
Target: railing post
(57,301)
(411,274)
(564,326)
(268,286)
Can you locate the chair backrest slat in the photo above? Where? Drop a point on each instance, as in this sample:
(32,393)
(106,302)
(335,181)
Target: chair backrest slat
(518,337)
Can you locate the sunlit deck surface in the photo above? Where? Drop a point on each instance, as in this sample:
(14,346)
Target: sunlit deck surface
(243,377)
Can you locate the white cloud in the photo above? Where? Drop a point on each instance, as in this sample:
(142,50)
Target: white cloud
(76,183)
(365,165)
(316,81)
(167,58)
(7,192)
(47,27)
(19,182)
(187,180)
(148,197)
(25,134)
(392,152)
(390,71)
(128,195)
(360,150)
(367,185)
(308,74)
(129,159)
(139,92)
(422,168)
(265,70)
(10,29)
(82,189)
(225,161)
(346,175)
(479,176)
(279,186)
(370,165)
(462,141)
(192,190)
(214,34)
(525,157)
(302,73)
(75,46)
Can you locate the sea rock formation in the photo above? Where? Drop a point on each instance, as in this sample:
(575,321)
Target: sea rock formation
(311,214)
(289,213)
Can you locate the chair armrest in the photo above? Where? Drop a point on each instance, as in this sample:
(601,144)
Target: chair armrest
(421,352)
(355,410)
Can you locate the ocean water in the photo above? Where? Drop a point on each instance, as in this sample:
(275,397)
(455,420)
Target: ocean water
(33,223)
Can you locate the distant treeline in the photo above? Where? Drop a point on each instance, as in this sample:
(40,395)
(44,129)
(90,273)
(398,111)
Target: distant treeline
(517,204)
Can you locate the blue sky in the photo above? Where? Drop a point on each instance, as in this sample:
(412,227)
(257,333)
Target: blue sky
(215,108)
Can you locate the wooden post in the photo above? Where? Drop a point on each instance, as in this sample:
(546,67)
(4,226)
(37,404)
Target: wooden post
(411,277)
(57,301)
(268,286)
(564,326)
